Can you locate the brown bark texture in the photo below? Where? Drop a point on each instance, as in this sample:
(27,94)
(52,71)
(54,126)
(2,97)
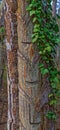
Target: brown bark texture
(33,89)
(12,74)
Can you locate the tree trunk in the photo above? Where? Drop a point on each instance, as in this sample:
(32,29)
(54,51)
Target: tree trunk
(12,77)
(54,7)
(33,89)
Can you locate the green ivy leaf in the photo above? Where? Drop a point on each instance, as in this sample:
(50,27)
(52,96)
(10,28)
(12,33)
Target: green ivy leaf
(50,95)
(56,28)
(58,40)
(53,85)
(46,38)
(58,93)
(2,30)
(49,48)
(34,40)
(56,80)
(41,65)
(32,12)
(51,115)
(44,71)
(53,102)
(34,19)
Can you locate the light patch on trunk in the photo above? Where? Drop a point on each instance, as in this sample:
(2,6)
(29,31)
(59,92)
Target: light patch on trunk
(8,46)
(12,29)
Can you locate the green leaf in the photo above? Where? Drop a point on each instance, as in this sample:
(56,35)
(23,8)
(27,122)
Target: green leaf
(32,12)
(34,19)
(53,102)
(36,26)
(56,80)
(2,30)
(56,28)
(44,71)
(51,115)
(58,40)
(53,85)
(40,52)
(49,48)
(54,90)
(34,40)
(41,65)
(54,117)
(50,95)
(58,94)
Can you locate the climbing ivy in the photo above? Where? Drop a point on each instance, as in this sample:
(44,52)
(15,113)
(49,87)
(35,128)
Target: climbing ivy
(46,37)
(2,33)
(2,30)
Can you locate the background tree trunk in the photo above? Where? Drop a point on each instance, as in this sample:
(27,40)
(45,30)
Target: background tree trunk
(54,7)
(57,61)
(2,45)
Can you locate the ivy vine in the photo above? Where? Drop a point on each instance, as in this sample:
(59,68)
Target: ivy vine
(2,32)
(46,37)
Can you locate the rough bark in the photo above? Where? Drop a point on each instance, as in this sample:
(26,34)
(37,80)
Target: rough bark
(33,90)
(12,77)
(29,83)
